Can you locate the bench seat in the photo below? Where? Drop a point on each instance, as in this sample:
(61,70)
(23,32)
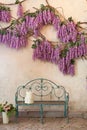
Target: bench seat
(42,102)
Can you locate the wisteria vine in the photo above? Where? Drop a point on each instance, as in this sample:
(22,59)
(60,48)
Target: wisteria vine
(72,40)
(5,12)
(16,2)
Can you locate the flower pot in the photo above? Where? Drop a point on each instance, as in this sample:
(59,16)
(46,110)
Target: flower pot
(5,118)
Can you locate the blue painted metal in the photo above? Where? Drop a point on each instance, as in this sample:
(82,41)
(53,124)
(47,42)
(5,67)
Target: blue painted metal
(41,113)
(42,89)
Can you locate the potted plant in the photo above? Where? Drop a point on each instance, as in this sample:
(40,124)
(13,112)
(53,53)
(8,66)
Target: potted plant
(7,110)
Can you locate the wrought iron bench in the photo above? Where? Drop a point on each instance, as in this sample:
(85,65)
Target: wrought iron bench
(45,92)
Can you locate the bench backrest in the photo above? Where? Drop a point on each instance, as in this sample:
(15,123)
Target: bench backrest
(42,89)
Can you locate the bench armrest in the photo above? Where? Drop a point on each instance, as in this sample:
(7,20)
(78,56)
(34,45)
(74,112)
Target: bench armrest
(67,96)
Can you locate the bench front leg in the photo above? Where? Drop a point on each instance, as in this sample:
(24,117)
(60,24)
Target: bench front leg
(65,110)
(41,113)
(17,113)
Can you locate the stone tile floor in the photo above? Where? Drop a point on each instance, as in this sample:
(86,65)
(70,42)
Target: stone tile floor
(49,124)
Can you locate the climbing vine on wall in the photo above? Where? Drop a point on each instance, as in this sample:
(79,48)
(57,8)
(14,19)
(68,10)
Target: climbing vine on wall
(73,42)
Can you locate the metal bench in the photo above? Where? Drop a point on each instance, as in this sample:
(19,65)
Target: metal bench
(45,92)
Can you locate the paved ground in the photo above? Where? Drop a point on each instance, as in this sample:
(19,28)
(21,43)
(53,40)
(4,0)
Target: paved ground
(49,124)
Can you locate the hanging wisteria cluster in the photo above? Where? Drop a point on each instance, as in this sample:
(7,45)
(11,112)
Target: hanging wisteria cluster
(5,14)
(68,33)
(63,57)
(72,41)
(11,38)
(20,10)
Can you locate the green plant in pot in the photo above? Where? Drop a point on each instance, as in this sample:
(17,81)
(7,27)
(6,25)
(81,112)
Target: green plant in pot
(7,110)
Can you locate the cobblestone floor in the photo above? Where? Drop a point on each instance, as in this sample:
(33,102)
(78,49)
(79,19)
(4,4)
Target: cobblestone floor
(49,124)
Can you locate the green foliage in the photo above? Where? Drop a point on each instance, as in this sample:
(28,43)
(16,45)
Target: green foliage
(34,46)
(9,108)
(12,110)
(64,52)
(36,43)
(4,8)
(70,19)
(3,32)
(72,44)
(32,14)
(62,22)
(23,19)
(72,61)
(1,108)
(43,7)
(17,2)
(14,22)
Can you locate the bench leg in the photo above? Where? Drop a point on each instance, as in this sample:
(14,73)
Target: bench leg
(66,112)
(41,113)
(17,113)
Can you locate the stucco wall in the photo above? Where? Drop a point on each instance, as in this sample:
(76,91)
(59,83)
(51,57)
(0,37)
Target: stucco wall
(17,66)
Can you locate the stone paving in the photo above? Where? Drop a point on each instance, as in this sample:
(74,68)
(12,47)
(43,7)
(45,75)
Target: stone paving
(49,124)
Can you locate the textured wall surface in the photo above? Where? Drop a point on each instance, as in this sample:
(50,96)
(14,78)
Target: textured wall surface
(17,66)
